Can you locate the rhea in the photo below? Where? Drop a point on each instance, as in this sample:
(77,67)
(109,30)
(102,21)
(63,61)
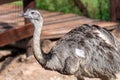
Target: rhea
(85,51)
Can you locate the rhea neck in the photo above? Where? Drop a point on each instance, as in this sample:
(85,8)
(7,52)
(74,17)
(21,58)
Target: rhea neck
(38,24)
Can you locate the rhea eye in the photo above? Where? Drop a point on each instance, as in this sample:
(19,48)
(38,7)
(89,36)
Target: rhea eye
(32,12)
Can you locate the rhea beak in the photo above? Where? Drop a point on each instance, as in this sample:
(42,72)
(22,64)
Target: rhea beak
(23,15)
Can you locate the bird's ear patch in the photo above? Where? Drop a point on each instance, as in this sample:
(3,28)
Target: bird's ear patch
(80,53)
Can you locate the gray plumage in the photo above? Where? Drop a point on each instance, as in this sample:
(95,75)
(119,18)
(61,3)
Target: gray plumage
(86,51)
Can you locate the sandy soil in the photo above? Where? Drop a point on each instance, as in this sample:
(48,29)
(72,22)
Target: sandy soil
(21,68)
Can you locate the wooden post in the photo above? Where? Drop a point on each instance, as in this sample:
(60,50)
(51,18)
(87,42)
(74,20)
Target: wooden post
(115,10)
(28,4)
(28,42)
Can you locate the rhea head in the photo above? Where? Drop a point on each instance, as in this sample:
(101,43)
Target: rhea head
(33,15)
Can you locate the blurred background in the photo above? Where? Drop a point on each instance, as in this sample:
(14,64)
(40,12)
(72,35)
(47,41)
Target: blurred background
(97,9)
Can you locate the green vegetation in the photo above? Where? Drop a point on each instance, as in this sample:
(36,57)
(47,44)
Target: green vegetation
(66,6)
(98,9)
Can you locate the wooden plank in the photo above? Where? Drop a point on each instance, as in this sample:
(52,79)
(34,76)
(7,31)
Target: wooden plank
(10,14)
(16,34)
(59,32)
(48,22)
(51,14)
(48,17)
(55,30)
(58,17)
(18,21)
(66,24)
(12,35)
(108,25)
(9,8)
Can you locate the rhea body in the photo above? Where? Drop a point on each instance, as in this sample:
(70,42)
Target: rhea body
(86,51)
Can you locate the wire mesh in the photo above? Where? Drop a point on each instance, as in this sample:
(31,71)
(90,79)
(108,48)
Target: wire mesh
(9,15)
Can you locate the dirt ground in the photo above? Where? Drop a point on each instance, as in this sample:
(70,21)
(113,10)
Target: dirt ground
(19,67)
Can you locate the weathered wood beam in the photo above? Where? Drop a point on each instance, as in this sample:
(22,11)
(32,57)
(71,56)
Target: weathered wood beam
(28,4)
(51,30)
(48,32)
